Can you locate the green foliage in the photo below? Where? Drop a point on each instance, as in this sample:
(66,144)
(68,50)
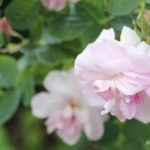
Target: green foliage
(9,102)
(8,71)
(22,14)
(1,2)
(136,134)
(4,141)
(27,90)
(121,7)
(71,27)
(47,40)
(2,40)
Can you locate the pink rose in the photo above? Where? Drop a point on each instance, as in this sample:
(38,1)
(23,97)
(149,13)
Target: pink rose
(66,110)
(5,27)
(56,4)
(119,72)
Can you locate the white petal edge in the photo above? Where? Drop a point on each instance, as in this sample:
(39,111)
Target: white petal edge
(106,34)
(129,37)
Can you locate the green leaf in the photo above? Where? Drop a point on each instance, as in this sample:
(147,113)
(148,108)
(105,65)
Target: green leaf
(90,10)
(9,102)
(111,134)
(37,29)
(33,139)
(4,139)
(22,14)
(119,22)
(91,32)
(49,54)
(66,28)
(68,63)
(27,90)
(8,71)
(92,13)
(44,70)
(28,48)
(1,2)
(136,135)
(137,131)
(121,7)
(2,40)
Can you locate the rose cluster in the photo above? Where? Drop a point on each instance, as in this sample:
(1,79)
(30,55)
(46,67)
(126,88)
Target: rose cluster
(109,76)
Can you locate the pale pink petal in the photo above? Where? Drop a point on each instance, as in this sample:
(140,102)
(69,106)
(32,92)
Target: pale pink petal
(131,83)
(108,106)
(106,34)
(92,97)
(70,132)
(129,37)
(54,4)
(101,85)
(89,64)
(143,108)
(113,106)
(128,109)
(54,122)
(63,83)
(43,104)
(94,128)
(108,66)
(128,88)
(56,81)
(67,112)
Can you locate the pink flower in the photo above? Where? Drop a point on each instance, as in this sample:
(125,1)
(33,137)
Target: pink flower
(66,109)
(119,72)
(5,27)
(56,4)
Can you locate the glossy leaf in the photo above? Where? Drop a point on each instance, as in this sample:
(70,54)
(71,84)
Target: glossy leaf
(22,14)
(121,7)
(9,102)
(8,71)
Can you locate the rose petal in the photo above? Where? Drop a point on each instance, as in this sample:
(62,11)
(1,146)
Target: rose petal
(129,36)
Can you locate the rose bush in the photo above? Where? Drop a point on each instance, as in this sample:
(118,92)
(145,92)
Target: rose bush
(38,37)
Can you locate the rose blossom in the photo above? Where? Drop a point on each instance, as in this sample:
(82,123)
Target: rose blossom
(56,4)
(66,109)
(5,27)
(119,72)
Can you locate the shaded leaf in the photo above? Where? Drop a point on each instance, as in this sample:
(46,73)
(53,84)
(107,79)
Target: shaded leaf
(121,7)
(9,102)
(22,14)
(8,71)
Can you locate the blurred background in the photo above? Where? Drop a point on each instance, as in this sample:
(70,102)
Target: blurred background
(36,38)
